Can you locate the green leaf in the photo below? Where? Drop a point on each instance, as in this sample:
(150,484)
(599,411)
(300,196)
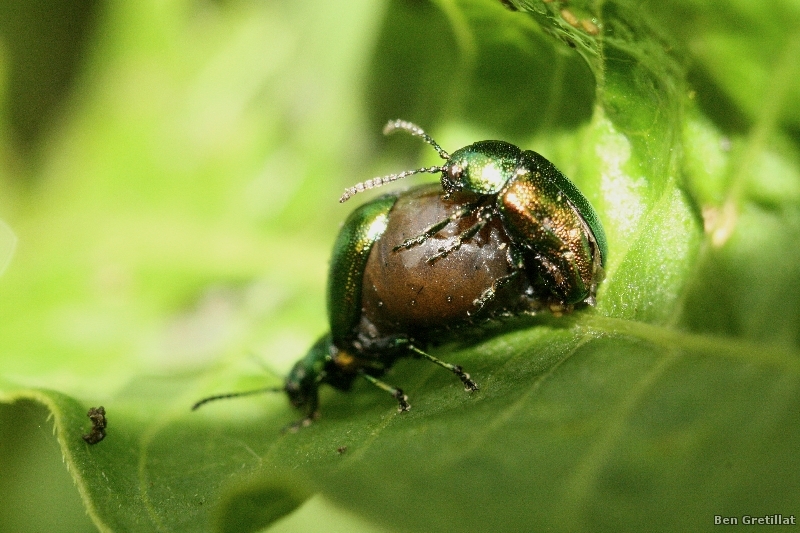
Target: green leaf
(177,231)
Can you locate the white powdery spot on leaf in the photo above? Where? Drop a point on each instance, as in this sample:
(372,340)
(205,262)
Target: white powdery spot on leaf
(623,193)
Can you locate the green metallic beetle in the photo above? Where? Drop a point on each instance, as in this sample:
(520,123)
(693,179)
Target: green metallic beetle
(509,235)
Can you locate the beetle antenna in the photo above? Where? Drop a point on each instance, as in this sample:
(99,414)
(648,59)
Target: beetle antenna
(235,395)
(377,182)
(394,125)
(391,127)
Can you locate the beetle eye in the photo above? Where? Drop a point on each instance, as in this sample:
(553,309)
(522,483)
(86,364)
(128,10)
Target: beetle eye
(454,173)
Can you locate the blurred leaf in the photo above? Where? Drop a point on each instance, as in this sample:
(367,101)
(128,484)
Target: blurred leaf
(44,41)
(741,52)
(33,474)
(188,205)
(8,243)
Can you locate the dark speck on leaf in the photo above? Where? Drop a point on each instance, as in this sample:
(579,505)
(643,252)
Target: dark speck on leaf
(98,417)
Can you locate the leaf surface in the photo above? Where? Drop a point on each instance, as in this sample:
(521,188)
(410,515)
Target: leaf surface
(178,230)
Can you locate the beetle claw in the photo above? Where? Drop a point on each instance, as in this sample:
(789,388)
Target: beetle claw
(469,385)
(403,400)
(465,378)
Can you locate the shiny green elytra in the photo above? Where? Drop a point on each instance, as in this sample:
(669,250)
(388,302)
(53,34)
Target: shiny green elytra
(552,225)
(348,260)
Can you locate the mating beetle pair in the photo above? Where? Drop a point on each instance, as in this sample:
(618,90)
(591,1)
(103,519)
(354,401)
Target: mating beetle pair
(506,233)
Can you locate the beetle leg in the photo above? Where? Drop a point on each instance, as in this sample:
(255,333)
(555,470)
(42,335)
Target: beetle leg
(488,294)
(455,369)
(424,236)
(396,393)
(436,228)
(466,235)
(516,262)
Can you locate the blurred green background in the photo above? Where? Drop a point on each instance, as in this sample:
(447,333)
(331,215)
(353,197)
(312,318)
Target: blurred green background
(156,159)
(169,174)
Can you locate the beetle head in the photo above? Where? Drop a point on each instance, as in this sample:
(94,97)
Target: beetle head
(302,383)
(482,168)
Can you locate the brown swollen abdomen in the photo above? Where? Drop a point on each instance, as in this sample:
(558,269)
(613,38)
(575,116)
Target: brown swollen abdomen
(403,293)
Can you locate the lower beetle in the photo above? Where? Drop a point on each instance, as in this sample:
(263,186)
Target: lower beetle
(408,268)
(385,302)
